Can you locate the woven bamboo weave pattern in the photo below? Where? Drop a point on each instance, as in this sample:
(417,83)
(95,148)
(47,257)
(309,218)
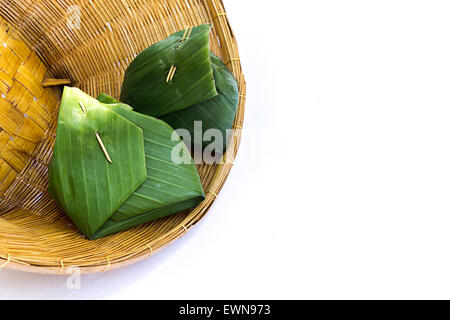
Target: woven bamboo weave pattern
(36,43)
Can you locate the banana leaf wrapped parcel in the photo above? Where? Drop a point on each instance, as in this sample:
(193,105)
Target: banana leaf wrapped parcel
(115,164)
(112,168)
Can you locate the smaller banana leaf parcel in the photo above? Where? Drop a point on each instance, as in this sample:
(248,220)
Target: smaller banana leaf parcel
(180,81)
(112,168)
(171,75)
(217,113)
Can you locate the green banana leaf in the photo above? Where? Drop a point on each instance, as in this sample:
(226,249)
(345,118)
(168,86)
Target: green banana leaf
(169,188)
(216,113)
(111,102)
(146,86)
(81,179)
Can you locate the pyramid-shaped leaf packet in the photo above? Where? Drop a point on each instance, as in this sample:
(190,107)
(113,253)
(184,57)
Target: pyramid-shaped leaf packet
(217,113)
(171,186)
(98,161)
(171,75)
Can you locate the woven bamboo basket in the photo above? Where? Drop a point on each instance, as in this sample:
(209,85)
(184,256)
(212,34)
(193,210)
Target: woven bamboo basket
(37,51)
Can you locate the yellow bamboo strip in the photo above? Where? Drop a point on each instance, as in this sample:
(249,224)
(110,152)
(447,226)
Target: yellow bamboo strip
(55,82)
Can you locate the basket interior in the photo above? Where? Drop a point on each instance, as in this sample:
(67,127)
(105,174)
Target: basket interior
(36,43)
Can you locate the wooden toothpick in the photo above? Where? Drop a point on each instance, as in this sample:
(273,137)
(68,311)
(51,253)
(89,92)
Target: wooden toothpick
(82,106)
(173,69)
(187,33)
(171,74)
(103,147)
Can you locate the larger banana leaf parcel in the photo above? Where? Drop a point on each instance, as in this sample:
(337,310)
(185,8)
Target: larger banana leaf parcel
(112,168)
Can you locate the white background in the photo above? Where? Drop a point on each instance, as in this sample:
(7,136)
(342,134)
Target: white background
(341,188)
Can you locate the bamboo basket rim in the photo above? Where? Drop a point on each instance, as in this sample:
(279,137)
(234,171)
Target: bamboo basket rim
(217,16)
